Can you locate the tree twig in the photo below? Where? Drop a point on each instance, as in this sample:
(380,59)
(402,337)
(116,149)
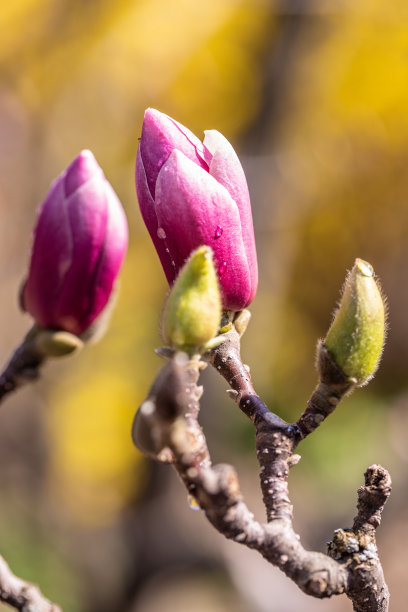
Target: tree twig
(21,595)
(39,344)
(23,366)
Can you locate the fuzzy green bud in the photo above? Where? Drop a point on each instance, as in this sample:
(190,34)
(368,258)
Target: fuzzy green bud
(192,313)
(356,337)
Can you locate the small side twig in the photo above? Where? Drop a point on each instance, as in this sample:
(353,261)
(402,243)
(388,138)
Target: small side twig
(369,588)
(23,366)
(331,389)
(39,344)
(21,595)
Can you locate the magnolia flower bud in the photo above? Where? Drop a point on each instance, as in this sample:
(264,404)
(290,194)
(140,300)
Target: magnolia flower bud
(192,193)
(80,241)
(356,337)
(192,313)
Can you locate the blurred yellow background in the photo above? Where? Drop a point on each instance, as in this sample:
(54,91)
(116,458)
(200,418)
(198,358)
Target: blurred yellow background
(313,95)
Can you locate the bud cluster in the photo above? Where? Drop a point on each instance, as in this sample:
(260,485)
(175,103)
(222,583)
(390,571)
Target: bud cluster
(194,200)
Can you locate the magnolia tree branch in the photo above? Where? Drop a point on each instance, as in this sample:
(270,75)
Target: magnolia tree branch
(166,427)
(21,595)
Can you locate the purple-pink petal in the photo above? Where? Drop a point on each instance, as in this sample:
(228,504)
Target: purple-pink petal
(88,217)
(86,290)
(84,168)
(160,135)
(192,209)
(147,208)
(226,168)
(112,255)
(50,257)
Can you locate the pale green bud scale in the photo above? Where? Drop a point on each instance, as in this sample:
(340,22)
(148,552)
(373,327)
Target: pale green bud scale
(56,343)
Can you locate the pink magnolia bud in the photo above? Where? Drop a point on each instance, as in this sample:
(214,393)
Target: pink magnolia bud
(192,193)
(80,241)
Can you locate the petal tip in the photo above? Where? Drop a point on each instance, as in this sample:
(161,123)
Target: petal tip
(83,168)
(154,119)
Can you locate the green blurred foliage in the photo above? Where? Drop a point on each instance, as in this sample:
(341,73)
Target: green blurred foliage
(315,102)
(31,553)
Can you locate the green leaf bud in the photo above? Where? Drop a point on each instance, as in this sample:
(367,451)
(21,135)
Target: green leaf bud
(356,337)
(192,313)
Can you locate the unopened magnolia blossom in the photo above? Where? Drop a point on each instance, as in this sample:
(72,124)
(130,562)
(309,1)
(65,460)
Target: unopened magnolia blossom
(194,193)
(80,241)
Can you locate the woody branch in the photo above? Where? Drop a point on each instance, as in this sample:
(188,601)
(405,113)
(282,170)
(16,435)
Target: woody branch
(169,417)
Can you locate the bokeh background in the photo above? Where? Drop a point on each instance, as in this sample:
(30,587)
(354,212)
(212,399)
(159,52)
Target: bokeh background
(313,94)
